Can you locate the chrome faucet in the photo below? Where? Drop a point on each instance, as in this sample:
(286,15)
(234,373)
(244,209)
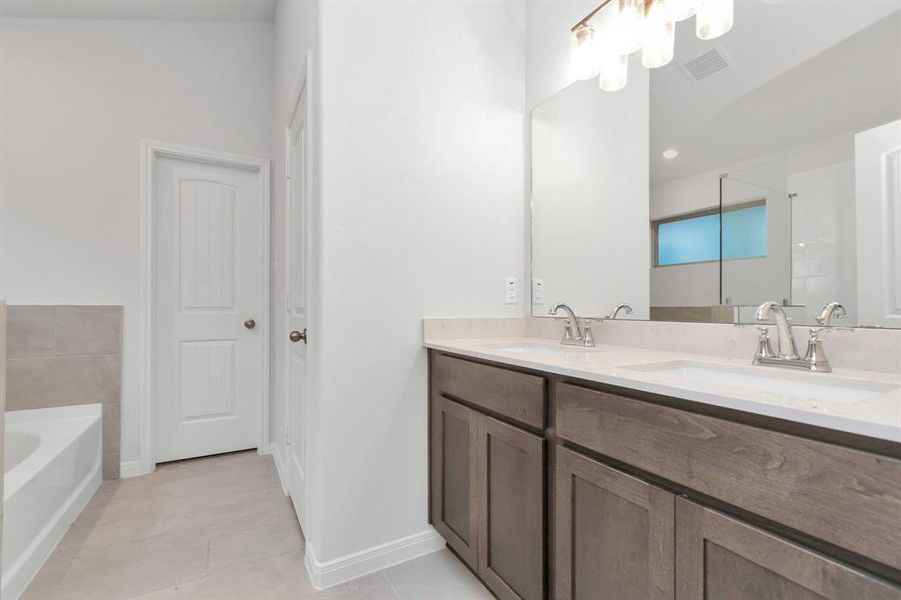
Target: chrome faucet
(830,311)
(816,356)
(787,355)
(787,350)
(621,307)
(573,333)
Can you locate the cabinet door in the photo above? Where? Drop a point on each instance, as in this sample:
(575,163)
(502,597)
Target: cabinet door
(614,534)
(511,510)
(453,476)
(721,558)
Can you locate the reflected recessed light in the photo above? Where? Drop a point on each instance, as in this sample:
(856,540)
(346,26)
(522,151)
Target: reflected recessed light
(670,154)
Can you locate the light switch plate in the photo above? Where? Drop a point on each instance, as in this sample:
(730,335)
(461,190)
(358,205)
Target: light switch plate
(511,290)
(538,291)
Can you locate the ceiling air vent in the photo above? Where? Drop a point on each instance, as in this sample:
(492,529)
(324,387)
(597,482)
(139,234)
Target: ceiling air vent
(711,62)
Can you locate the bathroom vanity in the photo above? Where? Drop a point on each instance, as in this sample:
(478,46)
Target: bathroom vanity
(597,473)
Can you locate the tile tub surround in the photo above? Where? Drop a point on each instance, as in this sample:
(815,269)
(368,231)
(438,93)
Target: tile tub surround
(61,355)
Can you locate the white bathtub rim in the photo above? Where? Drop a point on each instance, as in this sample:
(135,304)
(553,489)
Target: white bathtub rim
(53,413)
(20,574)
(30,467)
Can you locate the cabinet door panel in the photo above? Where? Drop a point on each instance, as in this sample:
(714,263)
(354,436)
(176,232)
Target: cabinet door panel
(721,558)
(511,509)
(453,474)
(843,496)
(614,534)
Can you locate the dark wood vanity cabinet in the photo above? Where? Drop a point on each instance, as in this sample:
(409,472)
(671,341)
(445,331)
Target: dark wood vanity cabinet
(511,510)
(454,477)
(650,501)
(488,483)
(614,533)
(722,558)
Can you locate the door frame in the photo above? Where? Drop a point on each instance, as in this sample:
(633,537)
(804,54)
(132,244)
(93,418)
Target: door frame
(151,152)
(302,92)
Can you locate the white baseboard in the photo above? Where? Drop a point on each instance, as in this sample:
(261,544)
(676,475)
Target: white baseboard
(279,467)
(134,468)
(20,574)
(329,573)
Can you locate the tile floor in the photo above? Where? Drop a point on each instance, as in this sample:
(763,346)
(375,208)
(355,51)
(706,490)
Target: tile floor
(216,528)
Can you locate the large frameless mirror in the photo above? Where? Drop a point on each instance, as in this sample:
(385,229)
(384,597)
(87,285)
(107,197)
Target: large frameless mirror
(762,165)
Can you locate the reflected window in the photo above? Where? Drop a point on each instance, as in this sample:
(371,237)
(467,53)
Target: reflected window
(695,237)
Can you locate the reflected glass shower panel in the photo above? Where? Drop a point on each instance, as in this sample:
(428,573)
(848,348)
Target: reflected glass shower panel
(757,215)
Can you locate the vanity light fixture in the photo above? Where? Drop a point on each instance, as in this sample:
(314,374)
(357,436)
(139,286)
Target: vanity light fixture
(660,35)
(682,9)
(648,25)
(670,153)
(585,52)
(715,17)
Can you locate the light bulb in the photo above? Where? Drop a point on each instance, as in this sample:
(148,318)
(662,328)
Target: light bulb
(681,9)
(584,52)
(715,18)
(614,71)
(660,35)
(627,26)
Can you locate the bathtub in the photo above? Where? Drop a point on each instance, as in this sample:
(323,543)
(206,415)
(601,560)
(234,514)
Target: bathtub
(52,463)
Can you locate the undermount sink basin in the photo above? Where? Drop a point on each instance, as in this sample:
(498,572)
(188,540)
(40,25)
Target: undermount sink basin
(825,388)
(545,350)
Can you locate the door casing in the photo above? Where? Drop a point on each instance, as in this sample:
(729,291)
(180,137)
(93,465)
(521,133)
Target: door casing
(300,110)
(151,152)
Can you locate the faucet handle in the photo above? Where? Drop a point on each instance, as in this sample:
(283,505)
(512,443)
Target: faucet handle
(586,333)
(764,345)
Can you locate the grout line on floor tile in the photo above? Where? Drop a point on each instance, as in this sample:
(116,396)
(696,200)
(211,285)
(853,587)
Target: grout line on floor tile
(391,585)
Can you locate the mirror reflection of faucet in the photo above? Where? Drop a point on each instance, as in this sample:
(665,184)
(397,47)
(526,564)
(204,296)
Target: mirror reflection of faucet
(621,307)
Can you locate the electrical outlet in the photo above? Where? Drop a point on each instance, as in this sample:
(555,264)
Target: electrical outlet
(538,291)
(511,290)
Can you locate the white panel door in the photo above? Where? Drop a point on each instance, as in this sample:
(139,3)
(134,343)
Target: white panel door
(877,164)
(209,287)
(297,303)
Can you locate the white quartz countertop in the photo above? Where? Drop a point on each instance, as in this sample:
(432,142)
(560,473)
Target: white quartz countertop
(859,402)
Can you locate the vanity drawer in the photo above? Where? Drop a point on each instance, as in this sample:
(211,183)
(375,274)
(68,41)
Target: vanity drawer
(845,497)
(517,396)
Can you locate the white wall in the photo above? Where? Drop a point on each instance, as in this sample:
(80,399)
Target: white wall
(548,45)
(564,215)
(590,198)
(422,199)
(76,97)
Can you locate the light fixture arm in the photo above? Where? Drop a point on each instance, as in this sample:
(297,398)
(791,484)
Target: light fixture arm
(590,15)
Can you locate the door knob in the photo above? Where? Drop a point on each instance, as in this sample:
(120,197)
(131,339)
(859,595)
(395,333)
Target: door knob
(250,323)
(296,336)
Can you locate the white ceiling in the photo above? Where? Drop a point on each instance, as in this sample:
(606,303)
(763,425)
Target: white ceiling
(169,10)
(802,71)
